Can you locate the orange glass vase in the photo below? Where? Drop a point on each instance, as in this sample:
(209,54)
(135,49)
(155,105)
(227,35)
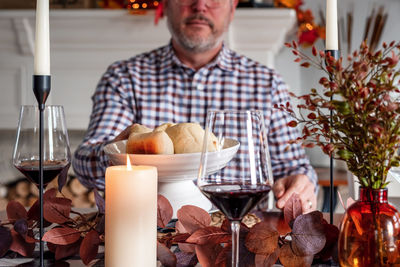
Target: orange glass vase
(370,231)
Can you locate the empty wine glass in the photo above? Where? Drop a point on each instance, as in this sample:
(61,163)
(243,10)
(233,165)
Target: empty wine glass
(56,152)
(236,188)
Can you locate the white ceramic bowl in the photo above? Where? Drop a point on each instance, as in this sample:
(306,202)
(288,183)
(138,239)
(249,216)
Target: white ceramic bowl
(176,167)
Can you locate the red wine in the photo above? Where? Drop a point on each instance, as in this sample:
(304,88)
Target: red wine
(235,200)
(51,168)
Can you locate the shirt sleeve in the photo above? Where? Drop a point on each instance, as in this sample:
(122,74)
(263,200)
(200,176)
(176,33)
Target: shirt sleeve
(111,113)
(286,159)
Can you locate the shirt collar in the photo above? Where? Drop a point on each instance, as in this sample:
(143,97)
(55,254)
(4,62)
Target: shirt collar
(224,59)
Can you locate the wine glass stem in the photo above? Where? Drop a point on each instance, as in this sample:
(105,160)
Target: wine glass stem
(235,226)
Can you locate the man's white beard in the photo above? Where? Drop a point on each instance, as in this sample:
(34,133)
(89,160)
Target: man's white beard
(195,45)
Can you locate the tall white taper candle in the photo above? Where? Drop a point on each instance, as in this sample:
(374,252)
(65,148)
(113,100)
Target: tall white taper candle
(42,39)
(331,25)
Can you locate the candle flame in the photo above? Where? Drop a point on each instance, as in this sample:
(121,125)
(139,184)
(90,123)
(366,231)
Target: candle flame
(128,163)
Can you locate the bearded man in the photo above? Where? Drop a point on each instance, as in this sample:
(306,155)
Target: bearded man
(180,82)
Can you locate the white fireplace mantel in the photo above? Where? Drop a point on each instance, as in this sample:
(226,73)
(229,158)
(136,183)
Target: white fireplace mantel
(85,42)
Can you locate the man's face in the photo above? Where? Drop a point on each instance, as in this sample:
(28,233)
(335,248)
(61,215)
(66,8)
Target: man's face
(199,26)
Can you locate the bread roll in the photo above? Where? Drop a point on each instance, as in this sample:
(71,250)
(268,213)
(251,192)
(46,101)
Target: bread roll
(188,138)
(139,129)
(149,143)
(164,126)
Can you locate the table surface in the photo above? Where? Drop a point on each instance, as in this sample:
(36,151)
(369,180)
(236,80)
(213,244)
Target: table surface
(76,262)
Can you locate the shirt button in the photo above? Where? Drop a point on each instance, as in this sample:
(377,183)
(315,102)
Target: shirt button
(200,86)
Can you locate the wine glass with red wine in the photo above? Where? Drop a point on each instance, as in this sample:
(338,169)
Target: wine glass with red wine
(56,152)
(235,189)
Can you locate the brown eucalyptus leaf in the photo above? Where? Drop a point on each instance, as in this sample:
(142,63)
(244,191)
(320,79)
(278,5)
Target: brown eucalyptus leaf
(57,210)
(20,246)
(65,251)
(21,227)
(277,220)
(186,259)
(62,177)
(100,202)
(165,255)
(178,238)
(332,236)
(164,211)
(262,239)
(16,211)
(52,247)
(5,240)
(29,237)
(51,193)
(100,227)
(308,236)
(179,227)
(89,247)
(34,211)
(62,236)
(267,260)
(207,254)
(289,259)
(193,218)
(34,215)
(292,208)
(209,235)
(224,258)
(188,248)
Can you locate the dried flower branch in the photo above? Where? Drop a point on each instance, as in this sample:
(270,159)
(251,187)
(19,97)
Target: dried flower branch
(364,129)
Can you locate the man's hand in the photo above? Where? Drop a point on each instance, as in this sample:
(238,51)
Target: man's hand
(284,188)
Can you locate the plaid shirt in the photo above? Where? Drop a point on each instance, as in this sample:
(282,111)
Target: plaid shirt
(155,87)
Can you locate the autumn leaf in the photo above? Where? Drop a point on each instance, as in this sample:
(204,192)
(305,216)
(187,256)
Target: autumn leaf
(65,251)
(5,240)
(186,259)
(16,211)
(34,212)
(51,193)
(292,208)
(180,237)
(21,227)
(62,236)
(179,227)
(308,236)
(57,210)
(331,236)
(207,254)
(165,256)
(289,259)
(89,247)
(20,246)
(209,235)
(100,227)
(267,260)
(62,177)
(193,218)
(164,211)
(262,239)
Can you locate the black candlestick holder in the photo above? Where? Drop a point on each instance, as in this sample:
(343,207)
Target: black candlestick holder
(41,88)
(335,54)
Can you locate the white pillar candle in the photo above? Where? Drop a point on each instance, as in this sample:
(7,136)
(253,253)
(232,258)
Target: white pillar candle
(131,216)
(331,25)
(42,39)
